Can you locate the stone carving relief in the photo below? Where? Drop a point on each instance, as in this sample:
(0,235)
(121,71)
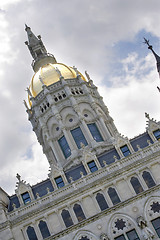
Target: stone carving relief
(147,233)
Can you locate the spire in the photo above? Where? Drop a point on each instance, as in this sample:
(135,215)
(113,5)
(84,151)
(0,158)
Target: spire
(156,56)
(37,50)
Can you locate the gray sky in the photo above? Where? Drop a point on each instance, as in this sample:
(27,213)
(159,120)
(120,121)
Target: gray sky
(103,37)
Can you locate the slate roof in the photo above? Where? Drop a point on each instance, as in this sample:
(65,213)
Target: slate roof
(74,172)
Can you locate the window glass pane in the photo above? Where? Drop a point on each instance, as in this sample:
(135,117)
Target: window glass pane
(136,185)
(59,182)
(78,137)
(122,237)
(156,225)
(31,233)
(113,196)
(79,212)
(95,132)
(44,229)
(101,201)
(132,235)
(26,198)
(157,134)
(67,218)
(125,150)
(92,166)
(148,179)
(64,147)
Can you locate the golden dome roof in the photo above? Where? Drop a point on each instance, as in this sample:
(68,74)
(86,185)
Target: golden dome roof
(49,75)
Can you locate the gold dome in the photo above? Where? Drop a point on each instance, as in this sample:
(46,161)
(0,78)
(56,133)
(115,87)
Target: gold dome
(49,75)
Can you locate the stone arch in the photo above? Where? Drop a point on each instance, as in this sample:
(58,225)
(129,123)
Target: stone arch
(88,114)
(84,233)
(152,208)
(121,223)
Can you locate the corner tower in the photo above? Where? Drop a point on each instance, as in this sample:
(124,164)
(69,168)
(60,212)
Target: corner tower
(66,111)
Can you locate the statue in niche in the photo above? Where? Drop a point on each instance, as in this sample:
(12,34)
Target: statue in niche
(147,233)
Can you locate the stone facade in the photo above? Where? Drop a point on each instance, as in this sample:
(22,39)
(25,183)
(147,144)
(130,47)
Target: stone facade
(101,185)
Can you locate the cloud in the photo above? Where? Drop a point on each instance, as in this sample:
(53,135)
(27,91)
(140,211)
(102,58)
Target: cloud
(86,34)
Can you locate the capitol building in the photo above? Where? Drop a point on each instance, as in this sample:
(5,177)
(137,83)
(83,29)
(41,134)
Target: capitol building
(101,185)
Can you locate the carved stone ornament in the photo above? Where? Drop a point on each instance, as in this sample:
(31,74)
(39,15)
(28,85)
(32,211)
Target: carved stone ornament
(104,236)
(147,233)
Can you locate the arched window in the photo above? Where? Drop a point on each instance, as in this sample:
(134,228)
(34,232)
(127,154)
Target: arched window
(78,137)
(148,179)
(113,195)
(79,212)
(44,229)
(64,146)
(67,218)
(136,185)
(31,233)
(95,132)
(101,201)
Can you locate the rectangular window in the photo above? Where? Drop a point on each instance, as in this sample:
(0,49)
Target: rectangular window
(79,137)
(59,182)
(125,150)
(26,198)
(132,235)
(156,225)
(157,134)
(92,166)
(64,147)
(122,237)
(95,132)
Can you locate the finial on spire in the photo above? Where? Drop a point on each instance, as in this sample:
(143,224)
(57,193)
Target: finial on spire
(156,56)
(37,50)
(147,43)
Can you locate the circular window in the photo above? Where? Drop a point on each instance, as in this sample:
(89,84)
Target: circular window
(86,115)
(71,120)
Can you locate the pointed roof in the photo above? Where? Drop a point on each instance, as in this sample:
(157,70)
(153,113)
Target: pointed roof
(38,50)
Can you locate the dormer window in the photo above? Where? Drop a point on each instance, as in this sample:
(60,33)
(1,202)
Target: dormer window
(125,150)
(59,182)
(157,134)
(26,198)
(92,166)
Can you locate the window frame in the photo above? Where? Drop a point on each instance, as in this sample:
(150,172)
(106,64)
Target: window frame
(158,233)
(118,200)
(27,199)
(59,184)
(95,132)
(101,201)
(43,229)
(94,168)
(157,136)
(126,152)
(78,137)
(150,183)
(64,146)
(136,187)
(67,221)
